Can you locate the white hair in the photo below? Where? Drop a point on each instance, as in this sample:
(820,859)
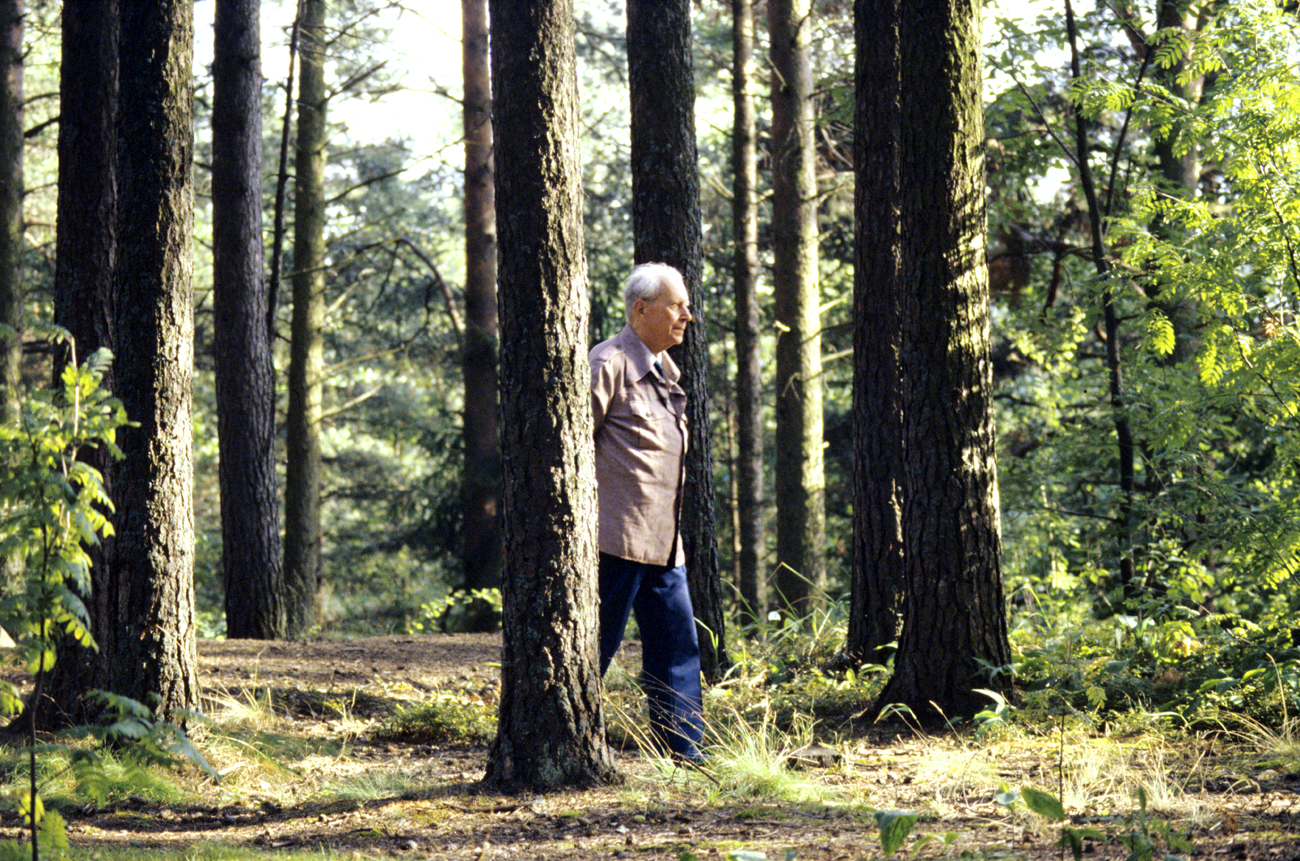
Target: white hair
(647,282)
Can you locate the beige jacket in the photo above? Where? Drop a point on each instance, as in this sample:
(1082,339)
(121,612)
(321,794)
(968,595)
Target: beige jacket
(640,433)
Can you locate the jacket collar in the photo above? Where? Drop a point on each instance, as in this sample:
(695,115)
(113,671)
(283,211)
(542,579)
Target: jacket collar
(642,359)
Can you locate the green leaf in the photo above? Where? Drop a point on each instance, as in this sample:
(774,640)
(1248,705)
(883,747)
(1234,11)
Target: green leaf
(54,834)
(1006,797)
(1042,803)
(1160,334)
(27,810)
(895,825)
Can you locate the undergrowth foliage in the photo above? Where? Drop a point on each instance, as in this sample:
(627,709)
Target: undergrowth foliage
(53,507)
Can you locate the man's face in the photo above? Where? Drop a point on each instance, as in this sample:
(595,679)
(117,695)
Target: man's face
(661,322)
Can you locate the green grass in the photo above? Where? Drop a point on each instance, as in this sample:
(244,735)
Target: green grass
(119,780)
(445,718)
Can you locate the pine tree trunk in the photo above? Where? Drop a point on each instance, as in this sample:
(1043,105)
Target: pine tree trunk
(150,646)
(83,294)
(11,207)
(11,232)
(799,484)
(302,514)
(749,392)
(666,224)
(481,481)
(879,285)
(551,730)
(954,618)
(245,379)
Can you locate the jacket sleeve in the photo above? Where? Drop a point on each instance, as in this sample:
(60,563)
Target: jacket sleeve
(602,390)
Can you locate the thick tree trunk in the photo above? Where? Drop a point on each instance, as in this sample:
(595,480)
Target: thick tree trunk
(11,207)
(250,507)
(800,497)
(749,383)
(879,285)
(83,292)
(302,515)
(481,481)
(551,730)
(150,646)
(666,224)
(954,619)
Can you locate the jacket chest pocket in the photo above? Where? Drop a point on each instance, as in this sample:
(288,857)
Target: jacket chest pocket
(652,423)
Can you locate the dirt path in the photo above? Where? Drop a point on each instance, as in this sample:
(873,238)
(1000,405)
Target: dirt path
(425,801)
(426,661)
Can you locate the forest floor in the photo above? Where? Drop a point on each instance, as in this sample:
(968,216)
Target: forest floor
(347,794)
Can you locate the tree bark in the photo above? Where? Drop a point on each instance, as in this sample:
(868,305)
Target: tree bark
(954,618)
(481,481)
(11,208)
(749,383)
(245,379)
(800,498)
(878,288)
(302,514)
(11,232)
(83,293)
(551,730)
(666,225)
(150,646)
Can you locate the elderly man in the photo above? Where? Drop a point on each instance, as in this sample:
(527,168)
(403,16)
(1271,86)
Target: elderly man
(640,434)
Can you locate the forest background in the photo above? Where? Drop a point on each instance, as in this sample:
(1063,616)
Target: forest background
(1179,554)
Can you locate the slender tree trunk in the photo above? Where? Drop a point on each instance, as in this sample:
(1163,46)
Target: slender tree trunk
(481,482)
(666,224)
(245,379)
(954,618)
(800,498)
(1177,155)
(880,282)
(1126,448)
(150,646)
(282,180)
(551,730)
(83,293)
(11,229)
(749,383)
(1180,166)
(302,515)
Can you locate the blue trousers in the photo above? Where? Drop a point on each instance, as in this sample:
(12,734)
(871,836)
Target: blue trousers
(670,649)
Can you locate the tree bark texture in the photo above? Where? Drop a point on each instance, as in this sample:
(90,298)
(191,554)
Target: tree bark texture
(954,618)
(302,514)
(251,553)
(481,482)
(11,232)
(749,383)
(879,286)
(666,227)
(83,293)
(799,476)
(1181,169)
(150,645)
(551,730)
(11,205)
